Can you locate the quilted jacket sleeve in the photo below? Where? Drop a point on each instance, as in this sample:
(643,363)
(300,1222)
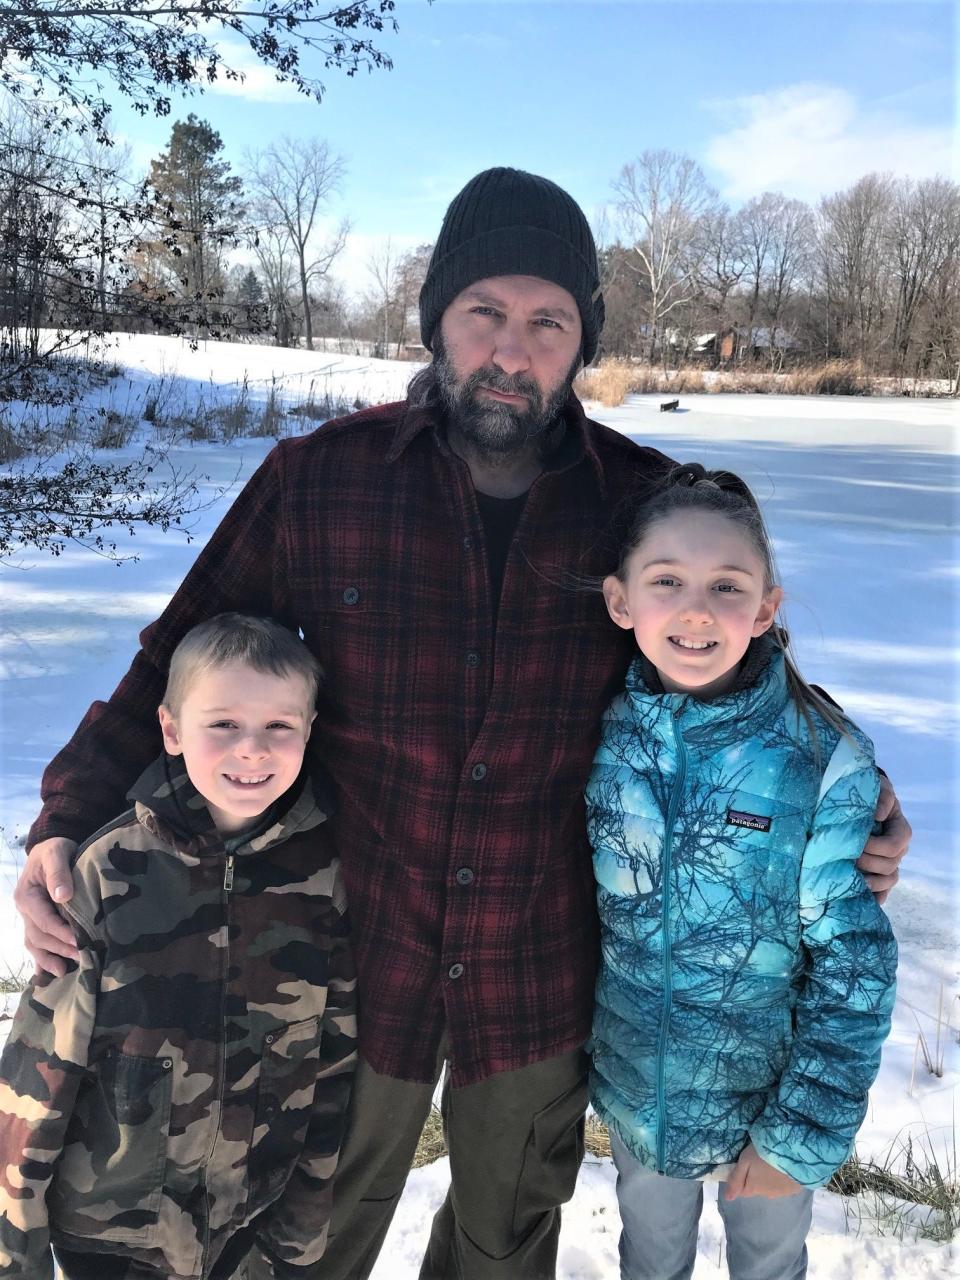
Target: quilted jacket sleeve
(293,1233)
(843,1014)
(42,1067)
(242,568)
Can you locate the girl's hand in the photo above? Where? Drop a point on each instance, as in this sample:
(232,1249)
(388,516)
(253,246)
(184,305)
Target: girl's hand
(754,1177)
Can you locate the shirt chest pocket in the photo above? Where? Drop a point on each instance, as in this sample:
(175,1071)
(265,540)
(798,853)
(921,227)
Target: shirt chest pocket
(285,1103)
(110,1178)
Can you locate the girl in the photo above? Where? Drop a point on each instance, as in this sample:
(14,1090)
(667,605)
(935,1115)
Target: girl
(747,977)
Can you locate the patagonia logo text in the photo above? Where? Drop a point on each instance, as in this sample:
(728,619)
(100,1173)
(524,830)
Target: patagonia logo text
(755,821)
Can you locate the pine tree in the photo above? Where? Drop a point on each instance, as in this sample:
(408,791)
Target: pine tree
(200,201)
(250,292)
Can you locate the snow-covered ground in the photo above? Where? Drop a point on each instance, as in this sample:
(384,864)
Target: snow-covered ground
(862,498)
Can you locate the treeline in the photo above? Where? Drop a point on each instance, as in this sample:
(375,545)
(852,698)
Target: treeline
(195,246)
(200,245)
(869,275)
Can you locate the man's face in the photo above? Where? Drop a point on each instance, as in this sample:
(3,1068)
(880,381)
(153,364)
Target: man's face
(508,350)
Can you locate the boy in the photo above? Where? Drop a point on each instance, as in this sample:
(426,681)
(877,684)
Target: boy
(180,1094)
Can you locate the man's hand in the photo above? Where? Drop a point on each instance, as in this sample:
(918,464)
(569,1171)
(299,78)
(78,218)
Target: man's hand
(752,1176)
(46,879)
(883,853)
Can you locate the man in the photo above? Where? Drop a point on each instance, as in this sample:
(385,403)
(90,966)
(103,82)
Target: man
(426,551)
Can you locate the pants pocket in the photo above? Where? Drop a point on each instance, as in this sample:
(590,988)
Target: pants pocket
(552,1158)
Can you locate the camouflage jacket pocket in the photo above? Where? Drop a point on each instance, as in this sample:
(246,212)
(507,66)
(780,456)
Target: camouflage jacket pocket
(109,1180)
(288,1078)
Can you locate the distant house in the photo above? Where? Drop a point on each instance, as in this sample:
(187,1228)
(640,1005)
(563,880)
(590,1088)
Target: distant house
(741,343)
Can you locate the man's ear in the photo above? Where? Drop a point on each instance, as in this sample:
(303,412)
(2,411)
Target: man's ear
(615,596)
(171,734)
(768,611)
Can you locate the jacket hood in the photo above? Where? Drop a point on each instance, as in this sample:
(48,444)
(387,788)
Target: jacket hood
(756,699)
(165,798)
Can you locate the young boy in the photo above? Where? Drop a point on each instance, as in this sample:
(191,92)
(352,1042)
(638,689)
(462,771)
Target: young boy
(180,1094)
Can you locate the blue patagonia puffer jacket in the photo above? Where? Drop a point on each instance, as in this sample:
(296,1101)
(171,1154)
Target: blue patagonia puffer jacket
(747,978)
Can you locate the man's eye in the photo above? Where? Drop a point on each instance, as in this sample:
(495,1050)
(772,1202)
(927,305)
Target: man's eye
(480,310)
(547,323)
(728,588)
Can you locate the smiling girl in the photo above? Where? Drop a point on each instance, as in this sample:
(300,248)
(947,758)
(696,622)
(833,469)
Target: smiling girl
(747,976)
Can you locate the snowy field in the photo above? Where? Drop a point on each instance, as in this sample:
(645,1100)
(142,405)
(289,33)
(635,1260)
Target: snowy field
(862,498)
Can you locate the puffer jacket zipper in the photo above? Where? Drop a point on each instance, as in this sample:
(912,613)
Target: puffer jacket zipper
(665,872)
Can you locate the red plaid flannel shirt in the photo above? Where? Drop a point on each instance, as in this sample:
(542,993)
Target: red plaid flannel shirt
(459,757)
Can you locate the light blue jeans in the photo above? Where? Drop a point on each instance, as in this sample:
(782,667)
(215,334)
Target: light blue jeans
(765,1238)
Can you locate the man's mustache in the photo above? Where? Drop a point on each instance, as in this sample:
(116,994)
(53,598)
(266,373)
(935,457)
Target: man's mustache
(510,384)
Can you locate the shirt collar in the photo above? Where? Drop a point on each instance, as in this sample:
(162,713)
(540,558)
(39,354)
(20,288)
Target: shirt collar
(574,443)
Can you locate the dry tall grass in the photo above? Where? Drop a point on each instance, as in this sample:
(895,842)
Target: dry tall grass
(612,380)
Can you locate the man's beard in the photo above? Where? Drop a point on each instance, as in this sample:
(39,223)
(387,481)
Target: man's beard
(494,429)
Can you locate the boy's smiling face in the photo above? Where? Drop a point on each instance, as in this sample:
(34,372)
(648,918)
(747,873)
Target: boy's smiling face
(242,735)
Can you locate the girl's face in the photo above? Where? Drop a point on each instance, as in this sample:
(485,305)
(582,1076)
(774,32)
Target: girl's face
(694,597)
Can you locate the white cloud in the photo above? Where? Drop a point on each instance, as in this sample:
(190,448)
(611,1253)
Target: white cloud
(259,83)
(808,140)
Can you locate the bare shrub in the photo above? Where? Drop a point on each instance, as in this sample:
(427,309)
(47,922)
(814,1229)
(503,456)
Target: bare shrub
(607,382)
(112,429)
(835,378)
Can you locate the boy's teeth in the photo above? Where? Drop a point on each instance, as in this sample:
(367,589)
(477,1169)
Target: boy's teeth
(693,644)
(247,781)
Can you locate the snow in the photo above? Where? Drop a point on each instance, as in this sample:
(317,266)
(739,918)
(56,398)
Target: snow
(861,495)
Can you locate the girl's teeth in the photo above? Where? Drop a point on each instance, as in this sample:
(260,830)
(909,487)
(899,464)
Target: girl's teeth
(693,644)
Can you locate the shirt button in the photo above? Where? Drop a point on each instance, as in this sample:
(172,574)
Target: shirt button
(473,658)
(468,544)
(455,971)
(479,771)
(351,595)
(464,876)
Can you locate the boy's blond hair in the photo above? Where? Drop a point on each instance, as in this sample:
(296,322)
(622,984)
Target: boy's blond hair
(226,638)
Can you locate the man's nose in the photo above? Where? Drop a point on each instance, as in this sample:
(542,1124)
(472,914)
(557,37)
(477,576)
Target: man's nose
(511,352)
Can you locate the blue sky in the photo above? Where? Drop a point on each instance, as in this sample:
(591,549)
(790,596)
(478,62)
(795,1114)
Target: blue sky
(785,95)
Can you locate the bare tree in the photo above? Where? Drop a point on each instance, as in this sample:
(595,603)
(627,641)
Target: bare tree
(662,198)
(382,269)
(723,262)
(410,273)
(854,260)
(107,185)
(790,249)
(276,260)
(923,234)
(293,181)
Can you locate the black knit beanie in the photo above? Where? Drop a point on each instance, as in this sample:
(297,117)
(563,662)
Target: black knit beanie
(509,223)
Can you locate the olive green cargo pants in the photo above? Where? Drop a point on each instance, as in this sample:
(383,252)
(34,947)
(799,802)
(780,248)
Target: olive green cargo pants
(515,1142)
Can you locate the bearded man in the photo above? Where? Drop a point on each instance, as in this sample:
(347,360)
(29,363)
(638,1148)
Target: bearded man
(424,550)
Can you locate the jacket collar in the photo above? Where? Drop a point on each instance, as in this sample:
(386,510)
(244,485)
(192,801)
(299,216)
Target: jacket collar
(757,698)
(168,805)
(572,444)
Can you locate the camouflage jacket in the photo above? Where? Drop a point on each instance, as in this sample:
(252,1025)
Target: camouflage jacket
(192,1071)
